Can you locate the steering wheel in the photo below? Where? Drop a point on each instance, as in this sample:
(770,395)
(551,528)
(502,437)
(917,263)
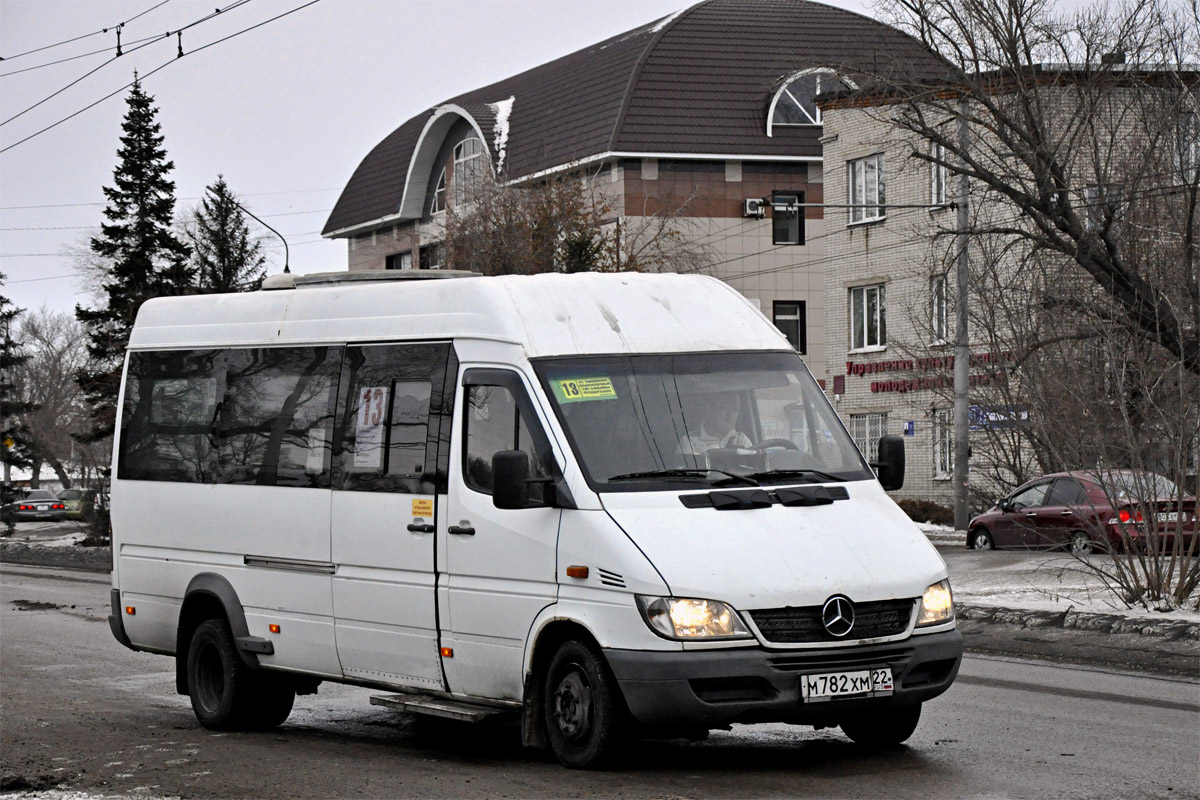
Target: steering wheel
(786,444)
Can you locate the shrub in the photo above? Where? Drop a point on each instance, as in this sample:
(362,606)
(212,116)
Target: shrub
(927,511)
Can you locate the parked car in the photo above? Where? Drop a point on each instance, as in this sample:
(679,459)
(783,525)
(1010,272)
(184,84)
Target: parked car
(1085,511)
(72,499)
(40,504)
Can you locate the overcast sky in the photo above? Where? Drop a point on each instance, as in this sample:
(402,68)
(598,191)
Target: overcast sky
(285,111)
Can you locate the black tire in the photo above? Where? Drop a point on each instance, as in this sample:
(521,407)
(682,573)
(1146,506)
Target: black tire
(270,703)
(884,728)
(582,706)
(219,684)
(983,540)
(1080,543)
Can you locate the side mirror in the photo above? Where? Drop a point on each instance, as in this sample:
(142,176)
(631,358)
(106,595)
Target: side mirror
(1004,504)
(510,479)
(890,466)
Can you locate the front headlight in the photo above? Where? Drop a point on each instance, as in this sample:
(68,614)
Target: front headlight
(937,605)
(688,618)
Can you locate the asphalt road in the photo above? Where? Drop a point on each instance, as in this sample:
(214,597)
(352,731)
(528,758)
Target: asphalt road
(78,711)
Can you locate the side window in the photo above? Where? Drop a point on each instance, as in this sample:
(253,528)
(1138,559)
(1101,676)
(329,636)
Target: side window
(1067,492)
(1033,496)
(496,419)
(168,422)
(390,419)
(276,415)
(250,416)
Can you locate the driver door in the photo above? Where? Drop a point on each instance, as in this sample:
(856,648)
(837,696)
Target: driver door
(1015,526)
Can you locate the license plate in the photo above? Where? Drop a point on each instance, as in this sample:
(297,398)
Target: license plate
(835,685)
(43,508)
(1171,516)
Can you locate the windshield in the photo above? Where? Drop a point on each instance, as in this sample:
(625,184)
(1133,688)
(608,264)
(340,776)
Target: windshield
(642,423)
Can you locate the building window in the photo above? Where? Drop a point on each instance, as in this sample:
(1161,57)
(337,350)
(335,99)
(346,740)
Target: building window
(940,176)
(868,318)
(943,443)
(866,183)
(468,171)
(795,103)
(788,316)
(431,256)
(939,314)
(1105,207)
(399,261)
(787,218)
(439,194)
(866,430)
(1187,154)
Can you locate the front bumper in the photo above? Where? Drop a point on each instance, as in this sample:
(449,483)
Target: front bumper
(710,688)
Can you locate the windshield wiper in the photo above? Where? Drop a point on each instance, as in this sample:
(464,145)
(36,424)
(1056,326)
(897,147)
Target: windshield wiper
(817,474)
(686,473)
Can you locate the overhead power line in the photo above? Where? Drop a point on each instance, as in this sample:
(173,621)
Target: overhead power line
(116,27)
(180,55)
(146,43)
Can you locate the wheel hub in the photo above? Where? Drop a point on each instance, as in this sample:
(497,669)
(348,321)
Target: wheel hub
(573,705)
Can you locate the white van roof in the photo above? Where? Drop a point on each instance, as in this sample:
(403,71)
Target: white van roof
(548,315)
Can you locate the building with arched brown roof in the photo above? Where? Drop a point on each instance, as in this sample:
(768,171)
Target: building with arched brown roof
(711,109)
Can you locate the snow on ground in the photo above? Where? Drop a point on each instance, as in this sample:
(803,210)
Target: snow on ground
(1042,581)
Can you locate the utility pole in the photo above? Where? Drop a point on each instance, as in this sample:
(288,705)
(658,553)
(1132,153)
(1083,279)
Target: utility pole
(962,346)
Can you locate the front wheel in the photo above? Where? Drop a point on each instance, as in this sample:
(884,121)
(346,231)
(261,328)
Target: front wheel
(885,728)
(582,706)
(983,540)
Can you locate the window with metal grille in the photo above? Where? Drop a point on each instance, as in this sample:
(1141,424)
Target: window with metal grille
(866,430)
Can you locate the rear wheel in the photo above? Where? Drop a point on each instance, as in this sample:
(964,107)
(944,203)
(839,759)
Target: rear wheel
(983,540)
(885,728)
(219,684)
(1080,543)
(582,706)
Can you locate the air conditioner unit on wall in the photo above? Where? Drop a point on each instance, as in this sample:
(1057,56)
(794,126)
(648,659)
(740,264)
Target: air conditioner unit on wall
(754,207)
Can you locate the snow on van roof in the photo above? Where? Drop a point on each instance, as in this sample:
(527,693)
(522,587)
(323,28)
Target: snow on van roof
(550,314)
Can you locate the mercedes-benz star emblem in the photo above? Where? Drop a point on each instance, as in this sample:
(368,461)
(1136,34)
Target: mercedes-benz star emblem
(838,615)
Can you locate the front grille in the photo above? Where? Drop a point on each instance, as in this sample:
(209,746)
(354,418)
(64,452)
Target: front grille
(800,625)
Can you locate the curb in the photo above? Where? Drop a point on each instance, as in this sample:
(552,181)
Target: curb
(1082,621)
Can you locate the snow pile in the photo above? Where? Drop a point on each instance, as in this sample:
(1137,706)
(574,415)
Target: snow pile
(665,21)
(503,110)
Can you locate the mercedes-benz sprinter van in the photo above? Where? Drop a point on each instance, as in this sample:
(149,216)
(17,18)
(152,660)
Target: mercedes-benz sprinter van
(609,503)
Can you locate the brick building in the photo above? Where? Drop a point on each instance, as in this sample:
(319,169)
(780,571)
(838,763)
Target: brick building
(714,104)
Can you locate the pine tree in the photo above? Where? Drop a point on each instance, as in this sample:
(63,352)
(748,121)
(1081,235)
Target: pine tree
(225,255)
(145,259)
(12,432)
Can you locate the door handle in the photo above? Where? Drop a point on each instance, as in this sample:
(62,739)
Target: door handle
(1031,514)
(1066,512)
(461,530)
(414,527)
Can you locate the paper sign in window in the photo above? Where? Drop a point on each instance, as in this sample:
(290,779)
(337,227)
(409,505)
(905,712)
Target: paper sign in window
(578,390)
(369,427)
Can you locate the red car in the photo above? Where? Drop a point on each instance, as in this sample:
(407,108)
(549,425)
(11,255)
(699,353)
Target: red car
(1073,510)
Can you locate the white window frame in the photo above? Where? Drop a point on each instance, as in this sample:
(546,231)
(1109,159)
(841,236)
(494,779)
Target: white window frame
(825,79)
(866,430)
(866,187)
(864,342)
(438,205)
(943,443)
(468,171)
(939,307)
(939,178)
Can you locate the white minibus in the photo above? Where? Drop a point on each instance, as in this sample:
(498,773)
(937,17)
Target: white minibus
(611,504)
